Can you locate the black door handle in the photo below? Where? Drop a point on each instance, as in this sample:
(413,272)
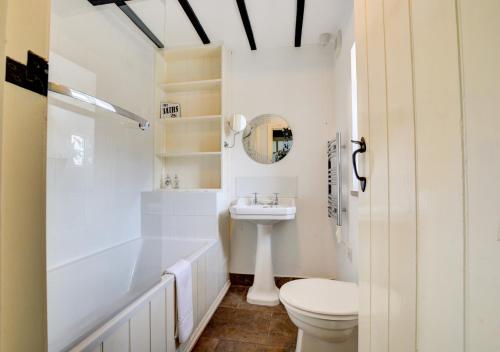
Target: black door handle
(361,149)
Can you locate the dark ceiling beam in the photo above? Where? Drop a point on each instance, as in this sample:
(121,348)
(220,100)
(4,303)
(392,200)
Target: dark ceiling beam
(102,2)
(139,23)
(246,23)
(299,22)
(122,5)
(194,21)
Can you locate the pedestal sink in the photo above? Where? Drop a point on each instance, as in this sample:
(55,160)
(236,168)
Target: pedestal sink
(264,291)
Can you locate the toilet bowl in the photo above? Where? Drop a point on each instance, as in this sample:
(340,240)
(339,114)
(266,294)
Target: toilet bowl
(325,312)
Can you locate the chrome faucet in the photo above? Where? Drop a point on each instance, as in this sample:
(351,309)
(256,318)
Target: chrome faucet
(276,200)
(255,200)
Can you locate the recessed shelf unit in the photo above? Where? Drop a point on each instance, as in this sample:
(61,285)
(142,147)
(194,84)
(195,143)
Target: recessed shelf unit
(188,154)
(191,145)
(188,119)
(192,86)
(193,64)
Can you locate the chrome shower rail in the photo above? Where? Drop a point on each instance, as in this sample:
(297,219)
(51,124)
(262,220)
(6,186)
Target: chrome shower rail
(86,98)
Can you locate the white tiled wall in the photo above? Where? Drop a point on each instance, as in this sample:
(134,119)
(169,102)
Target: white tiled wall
(180,214)
(98,162)
(94,180)
(266,185)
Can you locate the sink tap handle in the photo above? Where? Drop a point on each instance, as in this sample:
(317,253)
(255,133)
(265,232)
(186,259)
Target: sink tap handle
(255,200)
(276,200)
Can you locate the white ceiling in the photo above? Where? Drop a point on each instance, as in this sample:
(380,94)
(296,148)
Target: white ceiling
(273,22)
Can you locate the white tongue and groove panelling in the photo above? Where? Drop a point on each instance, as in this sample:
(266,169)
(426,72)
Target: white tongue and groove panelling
(429,239)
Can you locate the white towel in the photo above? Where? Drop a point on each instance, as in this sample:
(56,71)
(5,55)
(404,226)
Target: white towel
(183,298)
(338,234)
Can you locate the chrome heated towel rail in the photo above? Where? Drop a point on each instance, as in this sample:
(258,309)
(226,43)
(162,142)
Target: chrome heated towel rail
(335,179)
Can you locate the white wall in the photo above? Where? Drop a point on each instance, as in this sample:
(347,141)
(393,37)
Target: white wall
(346,253)
(296,84)
(93,194)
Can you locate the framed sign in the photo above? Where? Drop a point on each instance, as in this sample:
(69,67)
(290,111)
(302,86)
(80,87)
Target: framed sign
(170,110)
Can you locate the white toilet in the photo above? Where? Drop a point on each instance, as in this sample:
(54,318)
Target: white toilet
(326,313)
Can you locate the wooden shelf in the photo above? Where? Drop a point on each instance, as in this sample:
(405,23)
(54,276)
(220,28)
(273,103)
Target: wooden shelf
(187,119)
(188,155)
(214,190)
(210,84)
(194,52)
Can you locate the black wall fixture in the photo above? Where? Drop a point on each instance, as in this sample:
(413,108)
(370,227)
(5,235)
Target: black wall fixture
(33,76)
(122,5)
(246,23)
(299,22)
(194,21)
(361,149)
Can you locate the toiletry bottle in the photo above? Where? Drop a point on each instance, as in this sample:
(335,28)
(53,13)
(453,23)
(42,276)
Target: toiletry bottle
(176,182)
(168,182)
(162,182)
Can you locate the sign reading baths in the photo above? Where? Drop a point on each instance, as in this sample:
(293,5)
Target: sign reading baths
(170,110)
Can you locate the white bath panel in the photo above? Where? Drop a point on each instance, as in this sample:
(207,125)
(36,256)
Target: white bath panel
(211,274)
(140,330)
(98,348)
(202,286)
(194,270)
(170,318)
(158,323)
(118,341)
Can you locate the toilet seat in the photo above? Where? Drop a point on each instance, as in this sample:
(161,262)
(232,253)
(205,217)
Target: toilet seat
(321,298)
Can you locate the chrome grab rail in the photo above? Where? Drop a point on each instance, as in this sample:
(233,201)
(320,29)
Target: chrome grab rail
(86,98)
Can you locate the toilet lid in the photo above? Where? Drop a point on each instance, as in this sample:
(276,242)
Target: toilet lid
(321,296)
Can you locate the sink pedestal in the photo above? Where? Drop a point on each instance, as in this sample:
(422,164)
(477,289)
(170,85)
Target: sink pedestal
(264,291)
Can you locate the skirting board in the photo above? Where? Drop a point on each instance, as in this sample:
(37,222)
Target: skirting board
(247,279)
(203,323)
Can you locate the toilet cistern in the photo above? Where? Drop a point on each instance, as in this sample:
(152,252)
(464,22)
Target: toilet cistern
(264,215)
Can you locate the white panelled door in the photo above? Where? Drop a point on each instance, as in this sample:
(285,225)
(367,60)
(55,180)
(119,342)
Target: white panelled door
(479,27)
(429,109)
(388,207)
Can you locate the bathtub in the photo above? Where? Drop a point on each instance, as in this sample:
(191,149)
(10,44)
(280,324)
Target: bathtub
(121,299)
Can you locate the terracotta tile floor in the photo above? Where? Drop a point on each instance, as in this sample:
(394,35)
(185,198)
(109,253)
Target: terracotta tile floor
(240,326)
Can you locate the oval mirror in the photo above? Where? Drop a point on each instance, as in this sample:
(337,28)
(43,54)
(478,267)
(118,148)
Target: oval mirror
(267,139)
(237,123)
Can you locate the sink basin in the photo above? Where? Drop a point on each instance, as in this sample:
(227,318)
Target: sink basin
(264,215)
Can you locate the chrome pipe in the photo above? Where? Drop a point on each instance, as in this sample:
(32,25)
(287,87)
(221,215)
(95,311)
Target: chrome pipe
(89,99)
